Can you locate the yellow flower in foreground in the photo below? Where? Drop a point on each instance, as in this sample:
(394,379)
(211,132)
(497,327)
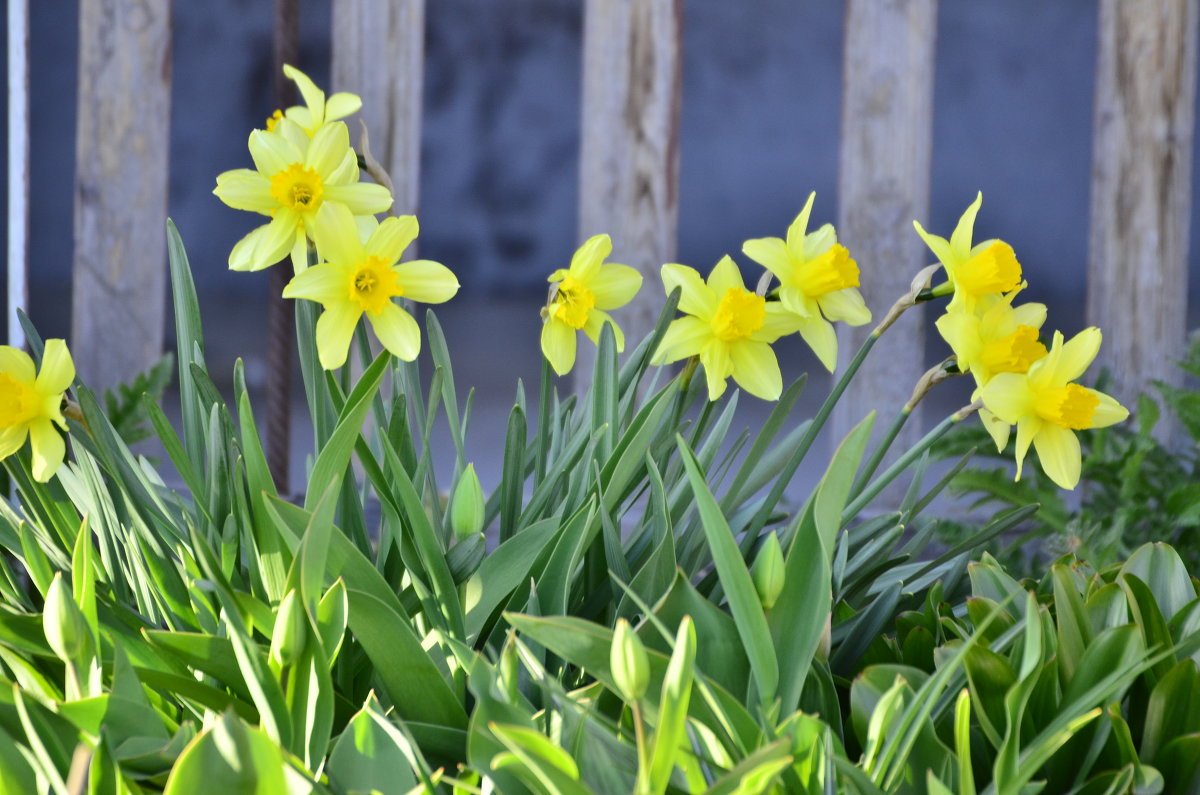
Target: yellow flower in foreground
(364,278)
(293,179)
(31,404)
(1048,408)
(1001,339)
(728,327)
(318,110)
(818,281)
(988,268)
(583,294)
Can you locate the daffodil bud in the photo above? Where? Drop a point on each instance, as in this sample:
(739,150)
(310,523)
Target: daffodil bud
(767,572)
(465,556)
(510,671)
(466,506)
(290,630)
(63,622)
(630,665)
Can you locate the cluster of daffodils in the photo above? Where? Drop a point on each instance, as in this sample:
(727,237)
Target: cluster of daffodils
(306,179)
(1018,380)
(726,327)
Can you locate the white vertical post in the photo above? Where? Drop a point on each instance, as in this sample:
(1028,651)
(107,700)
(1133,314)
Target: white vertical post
(18,166)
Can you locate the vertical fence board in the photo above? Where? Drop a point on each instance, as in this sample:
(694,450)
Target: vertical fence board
(1141,188)
(629,156)
(887,119)
(379,54)
(18,165)
(121,187)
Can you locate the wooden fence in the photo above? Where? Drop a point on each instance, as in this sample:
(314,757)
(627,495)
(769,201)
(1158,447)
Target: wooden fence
(1141,184)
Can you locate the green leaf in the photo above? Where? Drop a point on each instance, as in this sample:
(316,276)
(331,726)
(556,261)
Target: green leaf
(503,571)
(373,755)
(189,340)
(230,757)
(670,733)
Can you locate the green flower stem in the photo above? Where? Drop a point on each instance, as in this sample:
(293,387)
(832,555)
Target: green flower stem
(881,449)
(643,751)
(545,394)
(818,422)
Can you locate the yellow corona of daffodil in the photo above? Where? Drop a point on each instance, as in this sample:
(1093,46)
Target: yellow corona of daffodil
(318,110)
(582,296)
(1047,407)
(31,405)
(818,281)
(362,278)
(729,327)
(292,180)
(988,268)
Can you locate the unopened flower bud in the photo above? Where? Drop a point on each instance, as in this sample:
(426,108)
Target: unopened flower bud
(467,505)
(287,640)
(630,665)
(63,622)
(465,556)
(767,572)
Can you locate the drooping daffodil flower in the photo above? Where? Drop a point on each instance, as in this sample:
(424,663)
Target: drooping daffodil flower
(975,271)
(581,298)
(818,281)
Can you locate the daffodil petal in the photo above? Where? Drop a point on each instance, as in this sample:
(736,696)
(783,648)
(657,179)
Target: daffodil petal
(725,275)
(398,332)
(48,449)
(326,283)
(1008,396)
(794,300)
(427,281)
(241,257)
(299,253)
(960,239)
(275,241)
(819,242)
(17,363)
(772,254)
(695,297)
(272,152)
(328,147)
(243,189)
(756,370)
(335,327)
(820,336)
(1077,354)
(346,173)
(614,285)
(1108,411)
(1032,315)
(595,321)
(1058,452)
(997,428)
(11,439)
(960,330)
(341,105)
(684,339)
(718,366)
(778,323)
(391,237)
(845,305)
(1027,428)
(58,370)
(588,257)
(336,234)
(301,119)
(938,245)
(314,97)
(361,198)
(558,345)
(797,230)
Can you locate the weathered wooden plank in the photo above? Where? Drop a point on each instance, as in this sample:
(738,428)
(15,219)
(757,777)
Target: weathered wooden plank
(629,155)
(18,166)
(887,118)
(1142,188)
(121,187)
(379,54)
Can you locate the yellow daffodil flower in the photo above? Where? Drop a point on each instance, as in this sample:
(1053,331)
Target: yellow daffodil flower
(729,327)
(1047,407)
(1000,339)
(988,268)
(363,277)
(583,294)
(291,181)
(31,405)
(318,111)
(818,281)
